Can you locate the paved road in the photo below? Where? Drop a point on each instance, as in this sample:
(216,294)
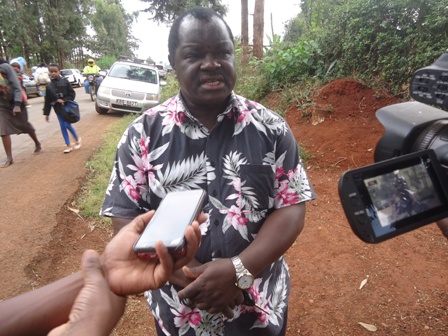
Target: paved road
(22,144)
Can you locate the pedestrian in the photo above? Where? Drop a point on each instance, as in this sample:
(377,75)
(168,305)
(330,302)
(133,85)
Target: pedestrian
(59,91)
(42,78)
(13,113)
(246,158)
(19,64)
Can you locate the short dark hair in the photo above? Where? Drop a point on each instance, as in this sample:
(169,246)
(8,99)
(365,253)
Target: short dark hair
(2,60)
(200,13)
(54,65)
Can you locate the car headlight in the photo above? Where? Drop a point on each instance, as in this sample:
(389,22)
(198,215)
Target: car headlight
(104,90)
(152,96)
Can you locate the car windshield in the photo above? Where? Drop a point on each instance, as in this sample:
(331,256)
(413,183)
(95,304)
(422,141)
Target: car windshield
(133,72)
(66,72)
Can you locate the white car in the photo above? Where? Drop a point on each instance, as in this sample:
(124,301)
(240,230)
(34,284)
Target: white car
(162,70)
(129,87)
(74,76)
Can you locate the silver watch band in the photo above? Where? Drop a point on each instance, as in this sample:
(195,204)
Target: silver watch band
(238,264)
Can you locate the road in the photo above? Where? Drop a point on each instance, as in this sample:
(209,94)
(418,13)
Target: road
(23,144)
(35,188)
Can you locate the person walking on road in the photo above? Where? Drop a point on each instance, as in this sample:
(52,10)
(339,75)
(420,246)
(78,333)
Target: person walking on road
(13,113)
(59,91)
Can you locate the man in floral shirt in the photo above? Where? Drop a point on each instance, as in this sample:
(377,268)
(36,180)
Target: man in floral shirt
(247,160)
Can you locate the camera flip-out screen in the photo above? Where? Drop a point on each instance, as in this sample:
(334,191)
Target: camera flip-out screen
(389,198)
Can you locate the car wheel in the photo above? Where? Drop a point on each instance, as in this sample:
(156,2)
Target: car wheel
(100,110)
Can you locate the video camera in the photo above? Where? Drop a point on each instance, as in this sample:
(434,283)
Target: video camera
(408,186)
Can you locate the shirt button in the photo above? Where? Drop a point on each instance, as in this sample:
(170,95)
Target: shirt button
(212,164)
(214,193)
(216,222)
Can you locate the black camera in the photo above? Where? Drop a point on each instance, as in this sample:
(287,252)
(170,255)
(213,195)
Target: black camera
(408,186)
(59,95)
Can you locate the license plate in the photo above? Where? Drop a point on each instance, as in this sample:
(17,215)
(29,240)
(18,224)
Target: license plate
(127,102)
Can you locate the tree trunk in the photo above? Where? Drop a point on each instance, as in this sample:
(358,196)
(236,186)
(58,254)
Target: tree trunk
(258,28)
(245,32)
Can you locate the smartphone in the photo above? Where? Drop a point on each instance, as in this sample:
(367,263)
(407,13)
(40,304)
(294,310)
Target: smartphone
(389,198)
(176,211)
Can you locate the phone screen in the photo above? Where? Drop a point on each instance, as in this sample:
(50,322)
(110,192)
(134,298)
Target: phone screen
(176,211)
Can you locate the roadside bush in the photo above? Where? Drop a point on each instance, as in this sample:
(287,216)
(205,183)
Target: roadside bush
(282,67)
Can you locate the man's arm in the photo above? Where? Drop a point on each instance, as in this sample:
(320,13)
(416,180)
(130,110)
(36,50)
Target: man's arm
(443,225)
(39,311)
(119,223)
(214,288)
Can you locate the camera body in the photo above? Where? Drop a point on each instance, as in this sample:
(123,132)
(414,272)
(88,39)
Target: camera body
(408,186)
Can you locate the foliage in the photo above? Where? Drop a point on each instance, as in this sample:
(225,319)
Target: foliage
(55,31)
(111,22)
(171,88)
(105,62)
(164,11)
(377,40)
(282,67)
(99,167)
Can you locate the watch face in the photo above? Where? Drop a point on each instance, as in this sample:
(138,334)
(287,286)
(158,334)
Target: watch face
(245,281)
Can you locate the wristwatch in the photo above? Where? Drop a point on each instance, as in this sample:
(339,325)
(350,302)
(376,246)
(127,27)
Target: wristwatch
(244,279)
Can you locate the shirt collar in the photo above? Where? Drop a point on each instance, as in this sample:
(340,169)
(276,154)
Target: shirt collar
(232,110)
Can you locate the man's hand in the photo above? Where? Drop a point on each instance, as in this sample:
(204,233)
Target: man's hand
(214,287)
(96,310)
(128,274)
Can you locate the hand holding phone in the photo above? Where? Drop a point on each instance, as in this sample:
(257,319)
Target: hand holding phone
(176,211)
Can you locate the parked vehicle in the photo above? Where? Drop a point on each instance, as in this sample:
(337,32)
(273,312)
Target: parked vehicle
(162,70)
(30,86)
(129,87)
(74,76)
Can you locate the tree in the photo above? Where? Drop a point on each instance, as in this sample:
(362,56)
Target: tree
(112,27)
(165,11)
(258,29)
(245,32)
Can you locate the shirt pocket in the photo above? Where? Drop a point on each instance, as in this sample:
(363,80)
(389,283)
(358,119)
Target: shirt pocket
(258,181)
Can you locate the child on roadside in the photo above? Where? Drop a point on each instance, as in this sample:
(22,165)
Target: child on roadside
(59,90)
(18,64)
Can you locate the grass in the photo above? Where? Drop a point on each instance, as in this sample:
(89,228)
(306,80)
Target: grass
(99,166)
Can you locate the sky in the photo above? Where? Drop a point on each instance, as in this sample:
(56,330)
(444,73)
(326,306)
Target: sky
(154,37)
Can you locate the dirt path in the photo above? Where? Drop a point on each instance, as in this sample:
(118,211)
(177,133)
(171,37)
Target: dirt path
(33,191)
(406,291)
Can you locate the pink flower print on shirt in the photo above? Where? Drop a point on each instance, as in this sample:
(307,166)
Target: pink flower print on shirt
(186,315)
(285,196)
(130,187)
(235,217)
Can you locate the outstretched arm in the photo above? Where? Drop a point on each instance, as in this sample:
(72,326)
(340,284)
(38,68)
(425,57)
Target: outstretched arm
(39,311)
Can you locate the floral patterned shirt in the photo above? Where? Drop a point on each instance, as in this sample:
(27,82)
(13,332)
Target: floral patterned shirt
(249,165)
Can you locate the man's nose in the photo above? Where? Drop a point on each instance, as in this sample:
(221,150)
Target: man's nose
(211,63)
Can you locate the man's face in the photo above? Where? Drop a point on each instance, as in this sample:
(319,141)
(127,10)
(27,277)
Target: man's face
(204,62)
(91,63)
